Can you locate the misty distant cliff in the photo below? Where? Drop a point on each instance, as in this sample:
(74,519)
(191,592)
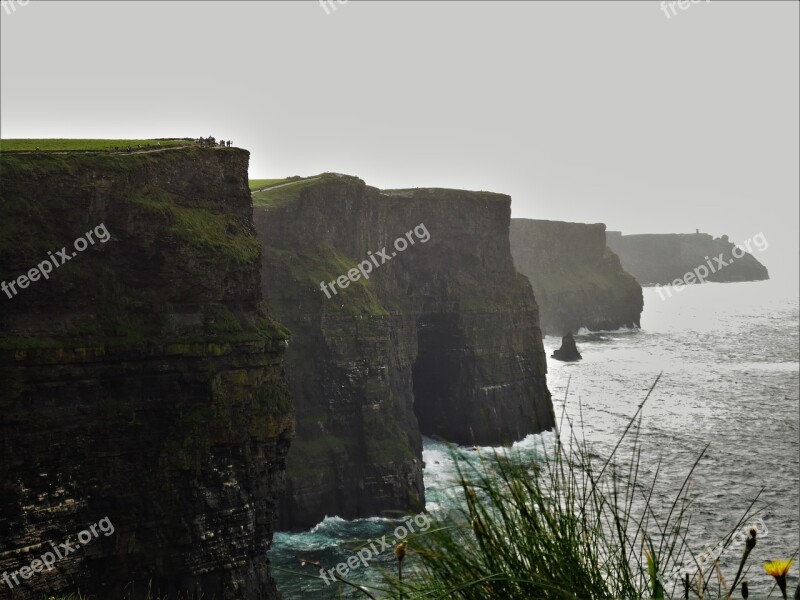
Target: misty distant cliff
(578,282)
(443,338)
(662,258)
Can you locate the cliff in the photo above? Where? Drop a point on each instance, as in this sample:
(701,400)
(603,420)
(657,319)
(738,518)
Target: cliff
(663,258)
(442,339)
(142,378)
(578,282)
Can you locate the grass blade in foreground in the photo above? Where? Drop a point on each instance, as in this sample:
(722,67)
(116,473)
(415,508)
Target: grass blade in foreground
(557,529)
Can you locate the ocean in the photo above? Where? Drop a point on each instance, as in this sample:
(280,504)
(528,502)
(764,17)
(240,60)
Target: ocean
(728,356)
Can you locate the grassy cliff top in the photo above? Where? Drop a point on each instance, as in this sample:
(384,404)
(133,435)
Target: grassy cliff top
(445,194)
(278,192)
(272,193)
(82,145)
(261,184)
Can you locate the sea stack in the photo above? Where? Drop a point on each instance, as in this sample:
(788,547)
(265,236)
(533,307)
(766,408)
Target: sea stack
(568,351)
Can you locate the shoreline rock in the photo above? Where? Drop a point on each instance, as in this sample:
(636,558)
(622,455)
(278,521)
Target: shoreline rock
(568,352)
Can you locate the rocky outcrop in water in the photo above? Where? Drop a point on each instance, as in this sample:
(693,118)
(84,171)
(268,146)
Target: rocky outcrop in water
(578,282)
(662,258)
(568,351)
(142,380)
(442,339)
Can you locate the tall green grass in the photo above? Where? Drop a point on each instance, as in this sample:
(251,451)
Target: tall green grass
(569,526)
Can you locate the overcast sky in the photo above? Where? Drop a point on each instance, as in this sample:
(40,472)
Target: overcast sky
(581,111)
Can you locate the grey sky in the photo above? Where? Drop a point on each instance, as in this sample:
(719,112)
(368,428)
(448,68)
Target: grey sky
(591,112)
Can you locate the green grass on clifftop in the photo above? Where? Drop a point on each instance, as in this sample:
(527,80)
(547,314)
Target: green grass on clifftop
(281,193)
(66,145)
(257,184)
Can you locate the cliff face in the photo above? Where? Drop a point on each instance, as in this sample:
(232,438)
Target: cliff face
(442,339)
(142,379)
(663,258)
(578,282)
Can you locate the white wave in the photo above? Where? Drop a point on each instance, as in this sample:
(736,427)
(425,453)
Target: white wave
(327,522)
(623,329)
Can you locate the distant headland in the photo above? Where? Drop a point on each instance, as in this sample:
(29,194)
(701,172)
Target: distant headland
(662,258)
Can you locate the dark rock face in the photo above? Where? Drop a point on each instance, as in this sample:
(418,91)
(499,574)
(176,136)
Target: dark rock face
(142,382)
(578,282)
(660,259)
(568,351)
(442,339)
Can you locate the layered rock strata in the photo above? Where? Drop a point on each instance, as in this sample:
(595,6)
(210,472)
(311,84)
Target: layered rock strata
(141,381)
(442,339)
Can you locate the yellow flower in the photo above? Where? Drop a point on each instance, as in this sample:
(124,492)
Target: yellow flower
(778,568)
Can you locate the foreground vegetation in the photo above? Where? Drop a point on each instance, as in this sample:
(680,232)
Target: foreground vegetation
(566,527)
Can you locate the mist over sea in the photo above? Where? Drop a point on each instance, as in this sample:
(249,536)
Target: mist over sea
(729,357)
